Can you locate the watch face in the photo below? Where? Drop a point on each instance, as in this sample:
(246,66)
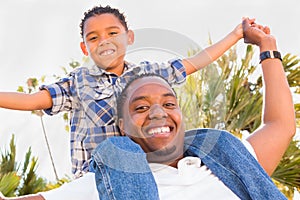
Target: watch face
(277,55)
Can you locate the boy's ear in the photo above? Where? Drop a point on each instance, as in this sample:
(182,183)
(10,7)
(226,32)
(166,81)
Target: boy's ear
(130,34)
(121,126)
(84,49)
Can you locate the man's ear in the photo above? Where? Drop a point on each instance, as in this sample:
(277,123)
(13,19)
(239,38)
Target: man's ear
(121,126)
(130,35)
(84,49)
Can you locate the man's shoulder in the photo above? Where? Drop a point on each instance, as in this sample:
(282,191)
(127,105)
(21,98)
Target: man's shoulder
(209,135)
(204,131)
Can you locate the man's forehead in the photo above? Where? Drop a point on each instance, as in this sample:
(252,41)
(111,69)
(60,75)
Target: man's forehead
(149,82)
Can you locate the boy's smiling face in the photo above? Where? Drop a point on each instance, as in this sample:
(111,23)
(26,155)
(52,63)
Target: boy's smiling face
(105,41)
(152,118)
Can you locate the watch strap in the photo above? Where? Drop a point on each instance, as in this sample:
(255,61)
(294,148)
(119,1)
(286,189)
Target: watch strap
(269,54)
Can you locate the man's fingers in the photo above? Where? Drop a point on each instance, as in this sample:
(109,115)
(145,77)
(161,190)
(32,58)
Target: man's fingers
(267,30)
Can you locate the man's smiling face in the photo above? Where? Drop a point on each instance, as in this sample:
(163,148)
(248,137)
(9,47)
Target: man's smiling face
(152,118)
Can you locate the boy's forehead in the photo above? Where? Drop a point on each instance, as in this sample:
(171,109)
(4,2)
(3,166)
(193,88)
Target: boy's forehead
(105,20)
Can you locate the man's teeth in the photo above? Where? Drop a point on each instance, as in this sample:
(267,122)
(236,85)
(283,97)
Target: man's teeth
(161,130)
(107,52)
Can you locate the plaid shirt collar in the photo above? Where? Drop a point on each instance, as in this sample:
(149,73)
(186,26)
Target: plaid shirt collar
(94,70)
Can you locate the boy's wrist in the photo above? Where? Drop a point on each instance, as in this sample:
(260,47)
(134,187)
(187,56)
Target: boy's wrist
(233,37)
(236,35)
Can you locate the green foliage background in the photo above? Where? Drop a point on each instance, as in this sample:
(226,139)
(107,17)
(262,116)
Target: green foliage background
(18,178)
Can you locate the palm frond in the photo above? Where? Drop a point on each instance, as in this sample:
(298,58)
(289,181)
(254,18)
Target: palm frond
(9,183)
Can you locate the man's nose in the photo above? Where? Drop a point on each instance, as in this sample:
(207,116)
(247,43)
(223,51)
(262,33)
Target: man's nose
(157,112)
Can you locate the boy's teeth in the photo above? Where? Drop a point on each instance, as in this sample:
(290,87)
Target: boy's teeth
(161,130)
(107,52)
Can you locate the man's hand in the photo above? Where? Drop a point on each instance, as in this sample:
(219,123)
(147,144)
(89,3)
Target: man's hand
(254,33)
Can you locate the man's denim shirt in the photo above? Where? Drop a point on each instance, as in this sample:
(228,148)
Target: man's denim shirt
(122,171)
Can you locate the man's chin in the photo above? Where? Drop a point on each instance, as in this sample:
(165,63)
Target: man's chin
(166,155)
(166,151)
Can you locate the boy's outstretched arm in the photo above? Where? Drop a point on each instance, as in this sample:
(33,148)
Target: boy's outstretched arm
(278,127)
(21,101)
(213,52)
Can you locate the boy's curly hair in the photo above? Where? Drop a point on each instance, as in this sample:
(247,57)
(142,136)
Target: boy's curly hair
(98,10)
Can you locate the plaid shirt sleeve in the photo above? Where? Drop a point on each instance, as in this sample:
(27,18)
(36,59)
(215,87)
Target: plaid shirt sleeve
(173,71)
(61,96)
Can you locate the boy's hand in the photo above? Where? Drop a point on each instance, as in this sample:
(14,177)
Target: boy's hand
(238,31)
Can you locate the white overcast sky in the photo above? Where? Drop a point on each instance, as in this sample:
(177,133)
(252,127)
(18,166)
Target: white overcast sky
(37,37)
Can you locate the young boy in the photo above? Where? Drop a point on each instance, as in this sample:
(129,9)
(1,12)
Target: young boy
(89,93)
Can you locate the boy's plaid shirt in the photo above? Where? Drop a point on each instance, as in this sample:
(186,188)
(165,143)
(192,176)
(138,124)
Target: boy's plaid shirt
(89,93)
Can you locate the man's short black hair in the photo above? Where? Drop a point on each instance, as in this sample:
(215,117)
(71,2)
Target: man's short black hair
(123,96)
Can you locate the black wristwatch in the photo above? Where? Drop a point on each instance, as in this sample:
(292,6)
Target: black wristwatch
(269,54)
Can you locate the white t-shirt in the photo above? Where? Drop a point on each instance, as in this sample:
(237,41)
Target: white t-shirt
(189,181)
(82,188)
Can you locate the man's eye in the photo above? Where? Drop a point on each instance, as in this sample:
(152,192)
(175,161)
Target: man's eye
(141,108)
(170,105)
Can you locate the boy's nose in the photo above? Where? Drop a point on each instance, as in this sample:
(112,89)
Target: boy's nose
(157,112)
(103,40)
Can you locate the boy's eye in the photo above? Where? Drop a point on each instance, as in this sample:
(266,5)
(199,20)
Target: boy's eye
(113,33)
(93,38)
